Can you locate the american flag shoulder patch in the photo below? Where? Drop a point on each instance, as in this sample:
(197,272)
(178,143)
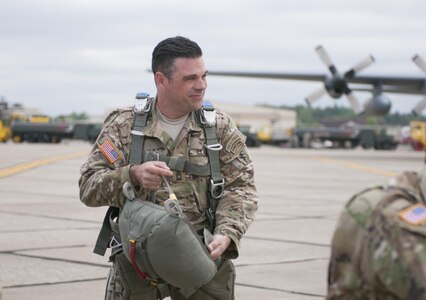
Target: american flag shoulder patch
(110,151)
(415,214)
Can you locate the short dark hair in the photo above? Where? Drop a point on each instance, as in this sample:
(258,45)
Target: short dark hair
(165,53)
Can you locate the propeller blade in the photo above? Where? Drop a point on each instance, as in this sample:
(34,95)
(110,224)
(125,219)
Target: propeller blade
(420,62)
(359,66)
(364,63)
(417,110)
(326,59)
(356,107)
(316,95)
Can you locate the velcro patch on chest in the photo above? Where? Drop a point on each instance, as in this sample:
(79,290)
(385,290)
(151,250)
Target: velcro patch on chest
(110,151)
(415,214)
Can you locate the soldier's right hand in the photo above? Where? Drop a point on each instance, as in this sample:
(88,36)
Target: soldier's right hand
(148,175)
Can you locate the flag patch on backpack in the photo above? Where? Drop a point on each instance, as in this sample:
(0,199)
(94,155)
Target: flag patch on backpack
(415,214)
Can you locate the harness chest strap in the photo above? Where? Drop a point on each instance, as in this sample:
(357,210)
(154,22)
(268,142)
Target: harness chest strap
(207,119)
(180,164)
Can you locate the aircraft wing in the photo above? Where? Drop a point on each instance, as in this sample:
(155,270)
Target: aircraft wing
(288,76)
(390,84)
(337,84)
(393,84)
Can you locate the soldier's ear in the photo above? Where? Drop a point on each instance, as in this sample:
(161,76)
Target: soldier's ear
(160,78)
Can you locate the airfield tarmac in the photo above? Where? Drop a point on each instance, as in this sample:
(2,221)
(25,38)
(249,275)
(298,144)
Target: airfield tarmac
(47,234)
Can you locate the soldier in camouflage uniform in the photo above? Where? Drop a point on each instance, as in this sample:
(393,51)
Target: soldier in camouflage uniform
(379,246)
(172,130)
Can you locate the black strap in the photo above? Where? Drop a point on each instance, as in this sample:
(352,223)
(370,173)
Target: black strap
(106,232)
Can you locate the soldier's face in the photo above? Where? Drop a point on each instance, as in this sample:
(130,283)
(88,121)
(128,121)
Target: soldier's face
(185,89)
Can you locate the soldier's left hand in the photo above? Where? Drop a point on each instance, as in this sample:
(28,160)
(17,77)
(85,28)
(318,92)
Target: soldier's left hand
(218,245)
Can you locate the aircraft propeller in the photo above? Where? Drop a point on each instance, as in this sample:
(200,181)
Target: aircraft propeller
(417,110)
(336,85)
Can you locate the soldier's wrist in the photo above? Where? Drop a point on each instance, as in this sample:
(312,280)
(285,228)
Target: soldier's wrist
(132,176)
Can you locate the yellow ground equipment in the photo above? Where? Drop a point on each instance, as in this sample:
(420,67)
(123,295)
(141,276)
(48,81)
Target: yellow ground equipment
(5,132)
(418,135)
(4,129)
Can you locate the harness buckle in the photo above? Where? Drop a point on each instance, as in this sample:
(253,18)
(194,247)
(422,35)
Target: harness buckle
(172,207)
(208,114)
(137,132)
(214,147)
(115,243)
(217,188)
(128,191)
(142,103)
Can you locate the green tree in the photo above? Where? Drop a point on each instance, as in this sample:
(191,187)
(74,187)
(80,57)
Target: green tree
(74,116)
(315,116)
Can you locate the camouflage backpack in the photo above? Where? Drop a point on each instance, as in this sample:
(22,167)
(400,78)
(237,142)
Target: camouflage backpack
(377,253)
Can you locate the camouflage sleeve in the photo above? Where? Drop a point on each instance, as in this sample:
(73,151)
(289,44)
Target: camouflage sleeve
(106,169)
(238,205)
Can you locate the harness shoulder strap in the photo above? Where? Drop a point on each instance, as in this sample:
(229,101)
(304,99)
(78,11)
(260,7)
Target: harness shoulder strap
(142,111)
(207,119)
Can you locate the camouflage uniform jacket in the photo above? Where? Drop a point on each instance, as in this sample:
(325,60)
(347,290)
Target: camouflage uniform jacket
(101,179)
(376,254)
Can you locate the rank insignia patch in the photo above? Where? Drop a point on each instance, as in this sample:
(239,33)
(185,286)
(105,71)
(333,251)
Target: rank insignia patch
(110,151)
(415,214)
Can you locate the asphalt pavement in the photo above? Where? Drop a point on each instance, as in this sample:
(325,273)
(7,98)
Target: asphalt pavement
(47,235)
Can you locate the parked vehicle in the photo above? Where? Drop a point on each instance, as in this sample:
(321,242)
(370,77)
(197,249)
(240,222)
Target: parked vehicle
(37,128)
(252,139)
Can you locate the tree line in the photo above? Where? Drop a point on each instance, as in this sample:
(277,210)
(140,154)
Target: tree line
(317,116)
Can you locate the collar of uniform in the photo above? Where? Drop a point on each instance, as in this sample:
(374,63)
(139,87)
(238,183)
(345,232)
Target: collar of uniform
(191,125)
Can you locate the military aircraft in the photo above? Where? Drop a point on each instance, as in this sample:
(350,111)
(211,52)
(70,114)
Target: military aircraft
(337,84)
